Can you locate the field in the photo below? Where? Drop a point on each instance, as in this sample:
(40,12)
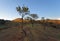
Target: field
(11,31)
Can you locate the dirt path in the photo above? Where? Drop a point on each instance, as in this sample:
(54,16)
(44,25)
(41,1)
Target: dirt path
(12,34)
(27,34)
(16,34)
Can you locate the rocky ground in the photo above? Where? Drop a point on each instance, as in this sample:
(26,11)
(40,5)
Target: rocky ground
(36,33)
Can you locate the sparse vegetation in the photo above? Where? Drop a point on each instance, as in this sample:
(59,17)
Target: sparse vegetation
(36,33)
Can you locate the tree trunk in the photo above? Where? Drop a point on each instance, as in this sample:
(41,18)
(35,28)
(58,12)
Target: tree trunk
(22,21)
(32,22)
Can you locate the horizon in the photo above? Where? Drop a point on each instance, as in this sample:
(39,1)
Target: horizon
(36,19)
(43,8)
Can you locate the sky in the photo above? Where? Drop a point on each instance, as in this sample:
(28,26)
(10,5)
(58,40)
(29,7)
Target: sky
(43,8)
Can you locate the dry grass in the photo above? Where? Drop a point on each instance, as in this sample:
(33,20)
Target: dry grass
(37,33)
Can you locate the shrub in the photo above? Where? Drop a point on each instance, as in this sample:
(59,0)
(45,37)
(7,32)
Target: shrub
(2,21)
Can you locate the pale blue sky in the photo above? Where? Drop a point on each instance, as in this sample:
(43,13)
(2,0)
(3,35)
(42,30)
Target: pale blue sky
(44,8)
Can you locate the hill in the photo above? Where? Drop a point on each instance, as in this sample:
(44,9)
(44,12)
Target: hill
(54,21)
(19,20)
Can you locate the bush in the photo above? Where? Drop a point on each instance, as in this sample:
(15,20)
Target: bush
(2,21)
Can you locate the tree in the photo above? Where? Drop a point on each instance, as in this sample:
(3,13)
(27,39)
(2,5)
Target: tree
(28,18)
(33,17)
(43,19)
(22,11)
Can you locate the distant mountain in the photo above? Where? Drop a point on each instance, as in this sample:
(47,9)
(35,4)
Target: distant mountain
(19,20)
